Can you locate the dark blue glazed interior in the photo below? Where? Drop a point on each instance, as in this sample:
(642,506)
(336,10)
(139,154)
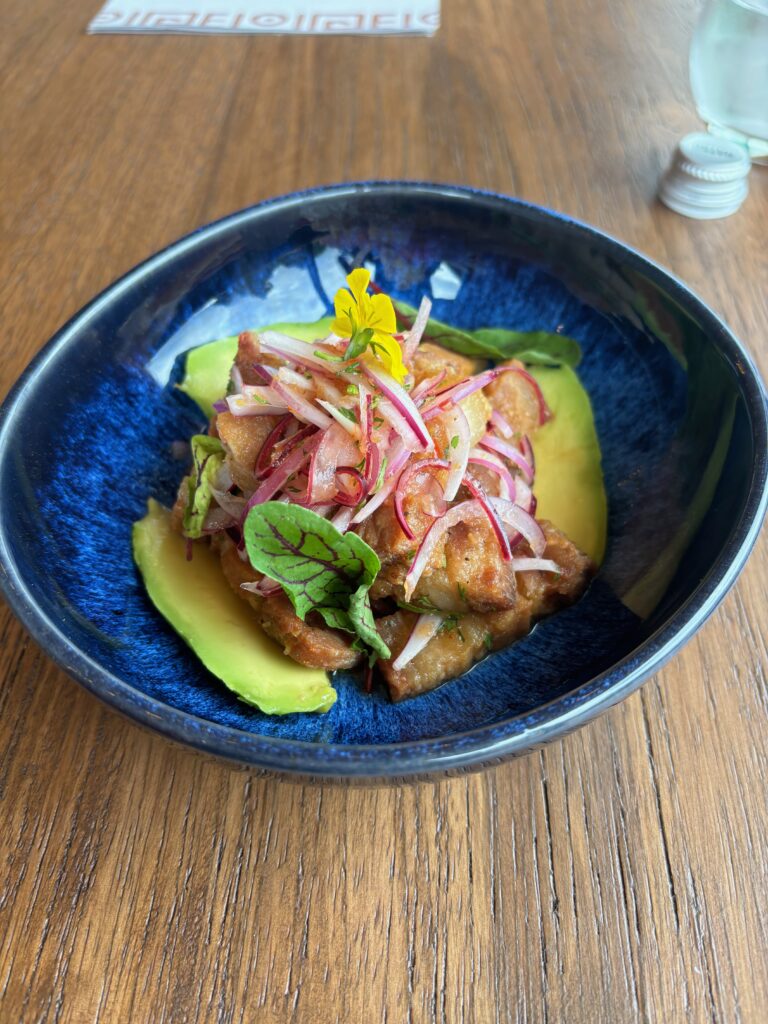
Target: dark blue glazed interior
(88,435)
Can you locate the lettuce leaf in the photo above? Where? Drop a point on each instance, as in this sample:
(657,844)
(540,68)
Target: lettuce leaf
(319,568)
(208,456)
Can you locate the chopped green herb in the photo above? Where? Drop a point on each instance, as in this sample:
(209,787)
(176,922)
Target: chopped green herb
(348,414)
(422,605)
(455,441)
(449,622)
(488,641)
(328,356)
(462,592)
(353,389)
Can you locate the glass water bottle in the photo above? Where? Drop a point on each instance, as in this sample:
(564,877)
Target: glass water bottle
(729,71)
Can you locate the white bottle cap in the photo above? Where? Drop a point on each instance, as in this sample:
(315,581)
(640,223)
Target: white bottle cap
(707,177)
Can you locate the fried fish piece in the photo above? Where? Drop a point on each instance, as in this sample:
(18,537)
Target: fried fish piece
(429,360)
(243,438)
(310,643)
(454,650)
(515,398)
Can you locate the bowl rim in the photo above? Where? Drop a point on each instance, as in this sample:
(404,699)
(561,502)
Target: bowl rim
(460,750)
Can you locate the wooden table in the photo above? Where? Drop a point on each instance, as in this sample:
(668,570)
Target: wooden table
(620,875)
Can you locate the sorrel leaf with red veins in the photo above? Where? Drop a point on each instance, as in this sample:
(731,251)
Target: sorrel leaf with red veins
(319,568)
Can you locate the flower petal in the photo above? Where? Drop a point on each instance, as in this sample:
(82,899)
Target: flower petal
(382,315)
(344,305)
(390,355)
(358,282)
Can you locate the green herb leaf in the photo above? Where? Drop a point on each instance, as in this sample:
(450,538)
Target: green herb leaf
(352,389)
(449,622)
(380,477)
(362,619)
(319,568)
(437,331)
(454,441)
(536,348)
(348,413)
(208,456)
(328,356)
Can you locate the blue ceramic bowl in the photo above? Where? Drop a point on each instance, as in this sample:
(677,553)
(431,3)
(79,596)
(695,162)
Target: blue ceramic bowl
(87,434)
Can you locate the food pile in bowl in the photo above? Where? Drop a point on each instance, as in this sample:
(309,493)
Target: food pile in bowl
(380,491)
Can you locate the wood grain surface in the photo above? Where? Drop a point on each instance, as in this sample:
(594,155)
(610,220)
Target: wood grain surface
(618,876)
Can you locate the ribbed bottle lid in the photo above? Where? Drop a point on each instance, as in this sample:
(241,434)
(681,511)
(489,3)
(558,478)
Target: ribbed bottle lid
(707,177)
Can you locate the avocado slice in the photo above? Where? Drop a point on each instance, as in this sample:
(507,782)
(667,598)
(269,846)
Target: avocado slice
(207,368)
(219,627)
(569,477)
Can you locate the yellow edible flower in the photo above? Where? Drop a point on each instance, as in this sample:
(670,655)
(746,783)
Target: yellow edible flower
(356,310)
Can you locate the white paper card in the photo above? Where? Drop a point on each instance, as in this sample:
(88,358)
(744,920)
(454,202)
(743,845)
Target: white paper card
(308,17)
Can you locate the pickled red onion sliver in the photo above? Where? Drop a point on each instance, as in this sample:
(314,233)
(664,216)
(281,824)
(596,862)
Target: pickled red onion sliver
(419,466)
(535,565)
(462,512)
(425,628)
(488,460)
(414,336)
(458,453)
(509,451)
(401,400)
(300,407)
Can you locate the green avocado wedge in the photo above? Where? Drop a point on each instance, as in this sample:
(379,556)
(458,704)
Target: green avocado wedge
(207,368)
(569,478)
(219,627)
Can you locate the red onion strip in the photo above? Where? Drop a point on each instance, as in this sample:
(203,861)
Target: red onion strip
(521,521)
(425,628)
(294,351)
(458,453)
(392,415)
(414,336)
(462,512)
(345,496)
(425,387)
(502,425)
(476,490)
(402,401)
(535,565)
(351,428)
(419,466)
(300,407)
(263,459)
(343,518)
(286,469)
(509,451)
(244,405)
(495,466)
(395,464)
